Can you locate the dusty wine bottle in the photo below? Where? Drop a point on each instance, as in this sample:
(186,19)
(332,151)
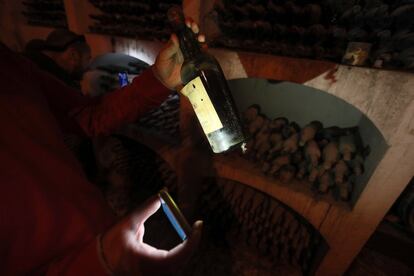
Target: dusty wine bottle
(207,89)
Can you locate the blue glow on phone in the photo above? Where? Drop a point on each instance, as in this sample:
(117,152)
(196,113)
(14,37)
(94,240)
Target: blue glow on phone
(173,221)
(123,79)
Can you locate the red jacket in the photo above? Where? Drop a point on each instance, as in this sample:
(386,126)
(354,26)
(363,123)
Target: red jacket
(49,213)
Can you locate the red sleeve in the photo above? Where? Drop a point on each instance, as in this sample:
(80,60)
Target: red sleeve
(76,113)
(83,262)
(125,105)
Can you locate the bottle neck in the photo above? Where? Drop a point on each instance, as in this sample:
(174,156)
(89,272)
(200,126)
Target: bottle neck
(189,45)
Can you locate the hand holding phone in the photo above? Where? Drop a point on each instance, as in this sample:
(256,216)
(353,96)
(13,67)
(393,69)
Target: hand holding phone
(174,215)
(122,248)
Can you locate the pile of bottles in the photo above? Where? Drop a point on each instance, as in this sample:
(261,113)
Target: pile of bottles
(141,19)
(320,29)
(49,13)
(329,159)
(240,221)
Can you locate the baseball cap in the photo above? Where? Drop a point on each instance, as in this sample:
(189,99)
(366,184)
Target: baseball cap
(60,39)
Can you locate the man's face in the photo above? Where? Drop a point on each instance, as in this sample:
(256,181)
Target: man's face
(81,60)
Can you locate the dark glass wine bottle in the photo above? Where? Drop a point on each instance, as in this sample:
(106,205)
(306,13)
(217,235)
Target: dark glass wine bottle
(207,89)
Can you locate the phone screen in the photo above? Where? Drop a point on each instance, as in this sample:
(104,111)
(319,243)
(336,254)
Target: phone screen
(174,215)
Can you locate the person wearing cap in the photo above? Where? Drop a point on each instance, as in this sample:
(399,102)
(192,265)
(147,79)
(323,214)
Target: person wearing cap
(63,54)
(66,55)
(52,220)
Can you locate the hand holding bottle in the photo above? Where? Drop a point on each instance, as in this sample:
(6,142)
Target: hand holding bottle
(167,67)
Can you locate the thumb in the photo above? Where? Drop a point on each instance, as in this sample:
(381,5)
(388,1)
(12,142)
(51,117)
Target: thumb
(183,251)
(171,48)
(143,212)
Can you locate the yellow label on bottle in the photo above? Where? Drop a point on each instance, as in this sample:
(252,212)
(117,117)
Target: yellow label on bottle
(202,105)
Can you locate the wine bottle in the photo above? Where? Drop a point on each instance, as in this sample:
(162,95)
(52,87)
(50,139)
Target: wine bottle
(207,89)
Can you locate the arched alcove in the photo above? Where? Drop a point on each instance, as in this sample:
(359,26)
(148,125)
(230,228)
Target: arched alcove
(303,104)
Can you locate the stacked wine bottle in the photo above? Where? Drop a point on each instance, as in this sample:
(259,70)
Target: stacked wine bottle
(49,13)
(164,121)
(140,19)
(320,29)
(328,159)
(247,221)
(122,162)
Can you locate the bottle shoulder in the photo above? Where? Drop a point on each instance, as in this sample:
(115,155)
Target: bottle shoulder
(191,68)
(203,58)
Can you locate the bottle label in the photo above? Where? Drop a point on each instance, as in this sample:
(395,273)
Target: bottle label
(202,105)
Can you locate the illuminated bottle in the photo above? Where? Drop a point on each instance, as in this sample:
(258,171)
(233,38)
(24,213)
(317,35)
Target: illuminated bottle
(207,89)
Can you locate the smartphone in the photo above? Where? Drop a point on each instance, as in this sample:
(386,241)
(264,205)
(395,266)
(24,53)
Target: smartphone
(174,215)
(123,79)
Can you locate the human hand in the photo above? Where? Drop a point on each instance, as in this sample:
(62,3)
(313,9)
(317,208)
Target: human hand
(167,67)
(127,254)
